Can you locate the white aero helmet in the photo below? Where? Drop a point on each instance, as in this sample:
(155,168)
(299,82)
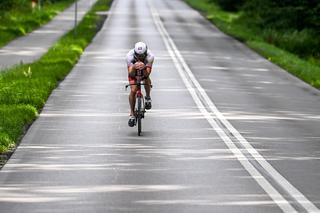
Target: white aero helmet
(140,50)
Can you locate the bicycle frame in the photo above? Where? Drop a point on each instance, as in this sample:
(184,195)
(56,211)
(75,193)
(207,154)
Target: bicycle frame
(139,105)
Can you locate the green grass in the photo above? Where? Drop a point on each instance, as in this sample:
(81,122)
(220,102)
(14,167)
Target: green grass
(308,72)
(13,119)
(18,22)
(285,49)
(25,89)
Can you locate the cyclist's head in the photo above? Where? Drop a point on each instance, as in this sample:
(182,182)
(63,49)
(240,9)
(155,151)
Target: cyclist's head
(140,50)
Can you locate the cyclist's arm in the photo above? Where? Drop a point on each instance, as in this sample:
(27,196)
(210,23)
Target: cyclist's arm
(130,65)
(150,59)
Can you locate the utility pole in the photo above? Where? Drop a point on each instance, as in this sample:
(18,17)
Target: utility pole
(75,17)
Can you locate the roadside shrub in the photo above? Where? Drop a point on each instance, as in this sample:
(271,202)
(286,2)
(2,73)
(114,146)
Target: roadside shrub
(303,43)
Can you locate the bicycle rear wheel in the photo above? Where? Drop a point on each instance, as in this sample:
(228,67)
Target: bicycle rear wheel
(139,115)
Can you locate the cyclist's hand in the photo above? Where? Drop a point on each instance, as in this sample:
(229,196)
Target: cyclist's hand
(139,65)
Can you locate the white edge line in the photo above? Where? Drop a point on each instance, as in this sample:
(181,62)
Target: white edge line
(256,155)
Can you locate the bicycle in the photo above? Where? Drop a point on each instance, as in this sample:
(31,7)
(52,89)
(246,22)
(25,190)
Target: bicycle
(139,106)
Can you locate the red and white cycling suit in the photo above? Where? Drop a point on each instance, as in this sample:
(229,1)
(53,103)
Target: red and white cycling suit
(131,60)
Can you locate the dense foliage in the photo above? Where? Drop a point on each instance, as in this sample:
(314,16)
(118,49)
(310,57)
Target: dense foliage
(10,4)
(295,14)
(7,5)
(293,25)
(229,5)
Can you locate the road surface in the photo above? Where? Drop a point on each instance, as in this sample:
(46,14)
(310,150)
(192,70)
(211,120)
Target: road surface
(228,132)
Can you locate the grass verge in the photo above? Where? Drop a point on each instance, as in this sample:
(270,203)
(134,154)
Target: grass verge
(261,41)
(18,22)
(25,88)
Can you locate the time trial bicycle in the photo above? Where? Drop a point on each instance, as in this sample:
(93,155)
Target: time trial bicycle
(139,106)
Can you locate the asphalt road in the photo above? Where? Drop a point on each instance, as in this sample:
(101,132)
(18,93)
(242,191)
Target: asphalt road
(228,132)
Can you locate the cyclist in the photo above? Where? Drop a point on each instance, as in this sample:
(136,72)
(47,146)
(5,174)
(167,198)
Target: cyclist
(139,58)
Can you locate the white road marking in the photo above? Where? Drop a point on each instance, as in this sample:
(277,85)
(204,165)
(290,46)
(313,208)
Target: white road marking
(189,80)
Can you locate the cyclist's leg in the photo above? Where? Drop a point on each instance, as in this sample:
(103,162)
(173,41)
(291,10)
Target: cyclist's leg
(132,96)
(147,86)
